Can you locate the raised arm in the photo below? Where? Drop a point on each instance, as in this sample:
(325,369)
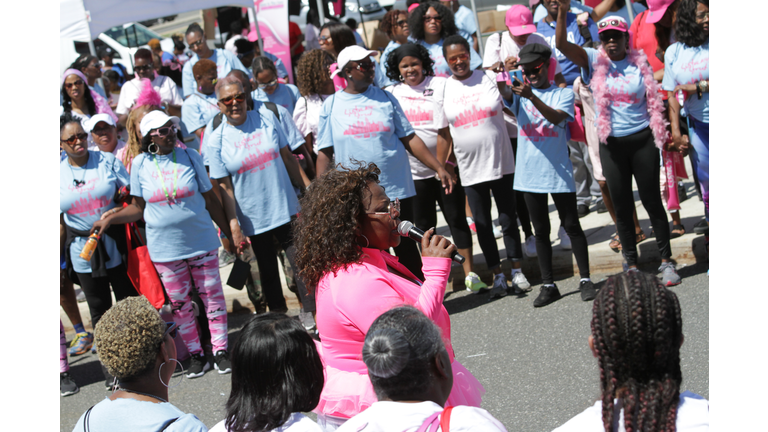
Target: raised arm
(602,9)
(573,52)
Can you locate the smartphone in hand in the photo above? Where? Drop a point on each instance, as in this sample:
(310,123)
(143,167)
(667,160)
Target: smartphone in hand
(517,74)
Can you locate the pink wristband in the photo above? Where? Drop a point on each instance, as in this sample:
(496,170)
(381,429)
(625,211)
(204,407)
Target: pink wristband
(450,163)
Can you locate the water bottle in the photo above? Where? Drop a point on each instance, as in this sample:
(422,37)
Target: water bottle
(90,246)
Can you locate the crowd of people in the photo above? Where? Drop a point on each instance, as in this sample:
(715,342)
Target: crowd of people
(218,149)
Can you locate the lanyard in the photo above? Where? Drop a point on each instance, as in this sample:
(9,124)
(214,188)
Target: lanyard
(175,177)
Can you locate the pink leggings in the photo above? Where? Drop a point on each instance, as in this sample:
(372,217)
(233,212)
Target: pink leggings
(200,273)
(63,364)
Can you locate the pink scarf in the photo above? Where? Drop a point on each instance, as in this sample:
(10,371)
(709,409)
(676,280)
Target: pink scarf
(102,106)
(603,97)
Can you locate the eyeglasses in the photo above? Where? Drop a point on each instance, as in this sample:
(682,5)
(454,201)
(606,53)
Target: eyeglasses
(612,23)
(76,83)
(196,43)
(239,98)
(163,131)
(364,67)
(455,59)
(143,68)
(76,137)
(323,39)
(102,130)
(171,329)
(402,23)
(428,18)
(269,84)
(611,35)
(392,208)
(702,15)
(534,70)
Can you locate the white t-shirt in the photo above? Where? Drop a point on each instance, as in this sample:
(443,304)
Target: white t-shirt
(306,115)
(473,109)
(384,416)
(419,105)
(692,416)
(162,84)
(297,422)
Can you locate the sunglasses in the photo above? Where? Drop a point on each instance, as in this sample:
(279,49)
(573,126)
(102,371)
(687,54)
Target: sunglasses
(392,207)
(76,83)
(455,59)
(612,23)
(534,70)
(611,35)
(428,18)
(102,130)
(76,137)
(364,67)
(239,98)
(196,43)
(269,84)
(163,131)
(402,23)
(323,39)
(143,68)
(171,329)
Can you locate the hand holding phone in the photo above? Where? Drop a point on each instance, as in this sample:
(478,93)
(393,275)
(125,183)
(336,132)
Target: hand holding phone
(517,73)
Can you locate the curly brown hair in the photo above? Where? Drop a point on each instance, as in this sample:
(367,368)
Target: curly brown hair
(324,234)
(312,71)
(389,21)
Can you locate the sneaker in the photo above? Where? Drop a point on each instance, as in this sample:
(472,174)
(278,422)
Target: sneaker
(565,241)
(471,223)
(198,366)
(547,295)
(79,295)
(81,344)
(529,248)
(519,283)
(669,276)
(497,231)
(499,288)
(225,258)
(600,208)
(67,384)
(307,320)
(588,291)
(222,363)
(474,284)
(582,210)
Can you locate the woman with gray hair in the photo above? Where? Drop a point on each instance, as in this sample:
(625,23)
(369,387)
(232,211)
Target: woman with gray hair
(411,373)
(137,347)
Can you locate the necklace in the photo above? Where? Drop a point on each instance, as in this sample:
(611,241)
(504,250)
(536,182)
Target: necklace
(143,394)
(171,198)
(76,182)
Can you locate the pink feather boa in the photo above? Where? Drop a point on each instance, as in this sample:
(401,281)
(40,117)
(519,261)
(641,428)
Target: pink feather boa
(148,95)
(603,97)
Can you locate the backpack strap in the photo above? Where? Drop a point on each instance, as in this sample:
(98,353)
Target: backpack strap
(86,426)
(273,107)
(217,120)
(170,422)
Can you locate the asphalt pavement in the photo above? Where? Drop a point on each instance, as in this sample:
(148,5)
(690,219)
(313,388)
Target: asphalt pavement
(535,364)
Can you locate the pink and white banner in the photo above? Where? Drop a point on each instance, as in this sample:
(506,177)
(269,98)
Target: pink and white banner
(273,26)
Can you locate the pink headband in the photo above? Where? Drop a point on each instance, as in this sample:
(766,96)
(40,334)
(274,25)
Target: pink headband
(69,72)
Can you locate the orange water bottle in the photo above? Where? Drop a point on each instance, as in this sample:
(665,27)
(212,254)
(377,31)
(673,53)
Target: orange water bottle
(90,246)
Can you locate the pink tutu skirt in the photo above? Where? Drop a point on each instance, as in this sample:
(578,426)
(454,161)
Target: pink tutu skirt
(347,394)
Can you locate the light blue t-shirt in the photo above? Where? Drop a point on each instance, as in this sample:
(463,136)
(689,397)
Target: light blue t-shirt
(441,66)
(225,62)
(181,228)
(687,65)
(368,127)
(547,30)
(250,153)
(282,72)
(196,111)
(465,20)
(285,95)
(576,8)
(542,164)
(129,415)
(84,205)
(382,80)
(629,111)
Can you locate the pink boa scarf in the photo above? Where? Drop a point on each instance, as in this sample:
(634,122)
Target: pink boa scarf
(102,106)
(603,97)
(147,96)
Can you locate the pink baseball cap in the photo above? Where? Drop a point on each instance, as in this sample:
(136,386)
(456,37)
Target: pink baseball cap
(519,20)
(612,22)
(657,9)
(412,7)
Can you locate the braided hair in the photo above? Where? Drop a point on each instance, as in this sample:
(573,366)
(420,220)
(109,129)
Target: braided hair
(637,331)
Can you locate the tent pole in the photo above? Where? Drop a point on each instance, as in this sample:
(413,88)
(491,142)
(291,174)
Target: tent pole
(362,23)
(321,12)
(479,33)
(630,12)
(258,31)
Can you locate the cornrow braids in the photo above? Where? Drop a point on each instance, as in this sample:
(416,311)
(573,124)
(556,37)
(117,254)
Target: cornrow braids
(637,331)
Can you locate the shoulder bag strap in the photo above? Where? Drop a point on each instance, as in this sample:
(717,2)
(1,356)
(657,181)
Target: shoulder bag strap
(273,107)
(86,426)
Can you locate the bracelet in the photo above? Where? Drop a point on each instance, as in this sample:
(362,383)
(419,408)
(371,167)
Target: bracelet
(450,163)
(704,86)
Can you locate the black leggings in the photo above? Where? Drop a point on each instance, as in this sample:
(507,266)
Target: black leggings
(408,250)
(425,215)
(264,250)
(479,198)
(569,219)
(622,158)
(97,292)
(520,205)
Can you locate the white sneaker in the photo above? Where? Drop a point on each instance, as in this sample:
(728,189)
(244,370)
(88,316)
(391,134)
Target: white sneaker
(519,283)
(565,241)
(474,284)
(499,288)
(497,231)
(529,248)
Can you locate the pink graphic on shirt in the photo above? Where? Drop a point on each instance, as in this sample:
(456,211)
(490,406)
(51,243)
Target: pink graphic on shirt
(159,195)
(250,140)
(366,128)
(540,132)
(168,174)
(696,65)
(258,161)
(89,207)
(359,111)
(621,97)
(417,116)
(473,116)
(89,185)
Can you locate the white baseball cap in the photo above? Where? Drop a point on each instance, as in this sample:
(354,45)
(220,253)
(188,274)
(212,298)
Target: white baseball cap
(91,123)
(154,120)
(351,53)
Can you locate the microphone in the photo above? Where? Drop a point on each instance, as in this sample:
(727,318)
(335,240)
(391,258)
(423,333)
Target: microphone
(407,229)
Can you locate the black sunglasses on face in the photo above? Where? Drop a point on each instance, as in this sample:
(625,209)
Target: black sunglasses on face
(364,67)
(74,138)
(143,68)
(533,70)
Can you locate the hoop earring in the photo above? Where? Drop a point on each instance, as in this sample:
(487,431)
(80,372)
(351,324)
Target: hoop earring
(367,243)
(401,78)
(149,148)
(160,376)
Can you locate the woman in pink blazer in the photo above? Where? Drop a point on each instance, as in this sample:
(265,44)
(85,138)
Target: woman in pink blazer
(343,235)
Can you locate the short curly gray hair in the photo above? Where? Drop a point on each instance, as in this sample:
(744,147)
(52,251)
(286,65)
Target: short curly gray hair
(128,338)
